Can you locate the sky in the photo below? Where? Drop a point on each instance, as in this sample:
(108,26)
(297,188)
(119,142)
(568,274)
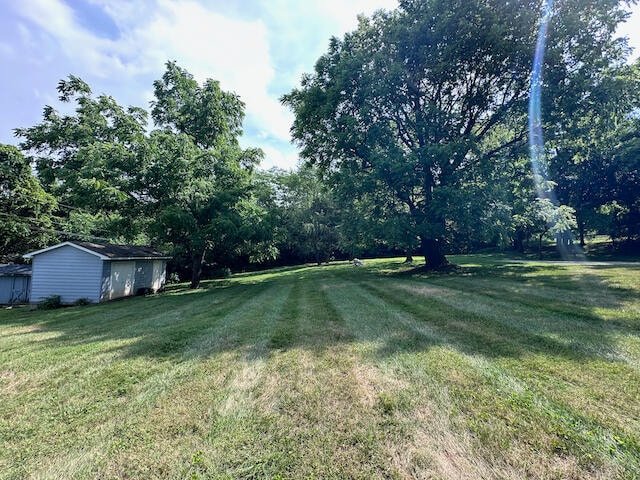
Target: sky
(258,49)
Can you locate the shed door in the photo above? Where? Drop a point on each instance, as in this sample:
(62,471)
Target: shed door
(158,275)
(122,278)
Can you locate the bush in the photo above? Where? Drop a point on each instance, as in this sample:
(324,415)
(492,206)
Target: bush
(50,303)
(222,273)
(82,301)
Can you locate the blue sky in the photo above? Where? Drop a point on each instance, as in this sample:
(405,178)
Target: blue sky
(256,48)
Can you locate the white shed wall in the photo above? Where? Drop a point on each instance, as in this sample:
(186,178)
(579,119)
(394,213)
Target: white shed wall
(68,272)
(159,274)
(123,276)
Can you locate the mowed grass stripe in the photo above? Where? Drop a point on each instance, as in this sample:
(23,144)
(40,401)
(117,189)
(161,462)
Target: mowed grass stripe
(419,436)
(422,402)
(613,438)
(293,412)
(607,355)
(576,293)
(488,330)
(78,360)
(581,331)
(240,324)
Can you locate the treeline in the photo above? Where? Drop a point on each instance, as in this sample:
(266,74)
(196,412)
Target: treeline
(414,134)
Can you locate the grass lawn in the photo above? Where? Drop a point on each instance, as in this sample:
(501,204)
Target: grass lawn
(499,370)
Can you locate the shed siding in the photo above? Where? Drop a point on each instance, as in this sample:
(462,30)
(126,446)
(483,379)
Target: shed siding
(123,274)
(159,274)
(105,282)
(144,275)
(14,289)
(68,272)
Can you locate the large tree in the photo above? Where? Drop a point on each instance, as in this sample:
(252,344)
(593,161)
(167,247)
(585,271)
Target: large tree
(187,184)
(410,97)
(594,147)
(213,211)
(89,160)
(307,215)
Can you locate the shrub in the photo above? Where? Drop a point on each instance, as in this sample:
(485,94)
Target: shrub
(222,273)
(50,303)
(82,301)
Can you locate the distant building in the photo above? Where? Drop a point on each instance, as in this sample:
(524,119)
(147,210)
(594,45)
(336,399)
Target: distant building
(95,272)
(15,281)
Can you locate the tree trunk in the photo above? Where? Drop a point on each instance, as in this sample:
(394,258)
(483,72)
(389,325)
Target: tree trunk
(196,269)
(540,245)
(409,258)
(518,241)
(433,254)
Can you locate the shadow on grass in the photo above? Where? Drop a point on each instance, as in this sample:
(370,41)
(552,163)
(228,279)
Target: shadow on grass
(500,309)
(493,310)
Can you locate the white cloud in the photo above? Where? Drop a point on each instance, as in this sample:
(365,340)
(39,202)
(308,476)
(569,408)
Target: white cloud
(211,46)
(207,44)
(286,159)
(345,13)
(56,19)
(631,29)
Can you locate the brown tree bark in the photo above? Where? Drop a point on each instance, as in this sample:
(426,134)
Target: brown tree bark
(196,269)
(433,252)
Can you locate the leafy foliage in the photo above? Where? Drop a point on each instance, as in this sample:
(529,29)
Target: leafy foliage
(204,211)
(308,216)
(26,210)
(187,185)
(89,160)
(412,97)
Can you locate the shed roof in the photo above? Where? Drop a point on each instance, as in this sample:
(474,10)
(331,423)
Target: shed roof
(109,251)
(11,270)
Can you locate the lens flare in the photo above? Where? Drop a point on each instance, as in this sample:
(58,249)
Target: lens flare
(536,143)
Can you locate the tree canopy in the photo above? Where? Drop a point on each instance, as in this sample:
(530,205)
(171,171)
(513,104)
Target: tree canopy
(414,97)
(413,128)
(26,210)
(186,185)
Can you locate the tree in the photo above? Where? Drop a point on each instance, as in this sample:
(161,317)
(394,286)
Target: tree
(622,183)
(557,220)
(26,210)
(89,162)
(200,200)
(187,184)
(372,220)
(591,146)
(411,95)
(201,125)
(307,214)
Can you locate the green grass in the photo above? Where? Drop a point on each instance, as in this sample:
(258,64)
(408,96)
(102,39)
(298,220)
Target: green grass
(498,370)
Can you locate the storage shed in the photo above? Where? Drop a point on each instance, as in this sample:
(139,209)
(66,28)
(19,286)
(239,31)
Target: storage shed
(95,271)
(15,281)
